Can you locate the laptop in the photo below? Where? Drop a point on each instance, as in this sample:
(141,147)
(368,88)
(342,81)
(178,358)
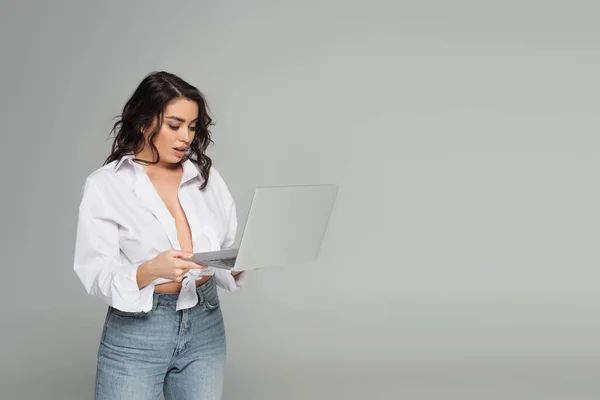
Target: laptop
(285,226)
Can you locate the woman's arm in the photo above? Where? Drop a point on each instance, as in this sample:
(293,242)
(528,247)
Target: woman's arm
(143,276)
(231,281)
(97,258)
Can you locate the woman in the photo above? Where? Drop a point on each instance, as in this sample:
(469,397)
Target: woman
(157,200)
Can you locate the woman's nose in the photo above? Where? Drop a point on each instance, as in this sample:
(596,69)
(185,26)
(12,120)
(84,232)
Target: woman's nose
(184,135)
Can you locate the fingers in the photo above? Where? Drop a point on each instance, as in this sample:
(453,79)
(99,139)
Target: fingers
(190,265)
(181,253)
(182,269)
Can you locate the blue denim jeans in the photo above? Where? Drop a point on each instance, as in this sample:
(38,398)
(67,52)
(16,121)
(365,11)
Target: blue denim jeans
(181,353)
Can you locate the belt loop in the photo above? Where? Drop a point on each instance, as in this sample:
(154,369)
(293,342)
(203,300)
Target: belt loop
(154,301)
(200,295)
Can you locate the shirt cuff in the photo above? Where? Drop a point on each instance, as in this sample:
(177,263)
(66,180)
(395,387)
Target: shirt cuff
(127,296)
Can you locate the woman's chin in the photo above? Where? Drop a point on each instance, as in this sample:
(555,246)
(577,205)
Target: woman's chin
(171,161)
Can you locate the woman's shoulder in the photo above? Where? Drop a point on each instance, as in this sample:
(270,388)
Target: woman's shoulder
(102,173)
(102,179)
(217,183)
(213,173)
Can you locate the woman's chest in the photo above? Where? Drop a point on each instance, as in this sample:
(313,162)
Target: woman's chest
(150,223)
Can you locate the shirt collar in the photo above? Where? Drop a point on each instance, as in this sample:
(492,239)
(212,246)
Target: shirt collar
(126,157)
(190,170)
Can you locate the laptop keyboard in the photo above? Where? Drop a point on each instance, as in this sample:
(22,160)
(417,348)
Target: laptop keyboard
(224,263)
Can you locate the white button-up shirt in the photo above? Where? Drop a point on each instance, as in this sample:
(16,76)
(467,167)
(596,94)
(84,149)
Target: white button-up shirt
(123,222)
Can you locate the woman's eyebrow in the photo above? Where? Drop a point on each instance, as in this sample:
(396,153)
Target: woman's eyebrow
(180,119)
(176,118)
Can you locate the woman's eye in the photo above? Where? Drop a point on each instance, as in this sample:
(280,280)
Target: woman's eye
(192,128)
(174,127)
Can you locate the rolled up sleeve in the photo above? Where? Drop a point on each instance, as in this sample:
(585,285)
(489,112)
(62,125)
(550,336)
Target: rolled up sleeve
(97,257)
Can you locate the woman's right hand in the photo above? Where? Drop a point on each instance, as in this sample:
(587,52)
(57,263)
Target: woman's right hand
(170,265)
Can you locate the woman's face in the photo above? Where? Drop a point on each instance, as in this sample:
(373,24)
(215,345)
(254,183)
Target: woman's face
(176,133)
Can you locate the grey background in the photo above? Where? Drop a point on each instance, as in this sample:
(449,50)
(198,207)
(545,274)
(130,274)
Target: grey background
(461,260)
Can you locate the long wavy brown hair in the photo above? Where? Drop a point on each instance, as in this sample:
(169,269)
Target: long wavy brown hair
(146,105)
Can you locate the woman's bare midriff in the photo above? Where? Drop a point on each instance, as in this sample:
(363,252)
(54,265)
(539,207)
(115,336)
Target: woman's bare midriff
(175,287)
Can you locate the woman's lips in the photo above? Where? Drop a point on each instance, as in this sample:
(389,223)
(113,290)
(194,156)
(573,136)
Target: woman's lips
(179,152)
